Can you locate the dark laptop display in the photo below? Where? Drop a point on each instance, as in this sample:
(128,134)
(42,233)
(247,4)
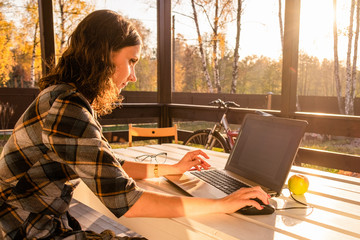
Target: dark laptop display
(265,150)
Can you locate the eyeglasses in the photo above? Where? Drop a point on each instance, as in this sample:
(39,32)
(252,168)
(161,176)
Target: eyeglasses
(158,158)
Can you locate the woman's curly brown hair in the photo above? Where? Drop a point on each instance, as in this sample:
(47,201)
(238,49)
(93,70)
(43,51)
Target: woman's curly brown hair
(87,60)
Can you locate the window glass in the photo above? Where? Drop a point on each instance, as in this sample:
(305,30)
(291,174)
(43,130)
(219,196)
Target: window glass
(20,37)
(327,67)
(143,15)
(19,43)
(206,48)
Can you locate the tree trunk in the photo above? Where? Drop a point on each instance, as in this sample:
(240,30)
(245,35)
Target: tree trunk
(236,50)
(348,87)
(62,26)
(201,49)
(281,27)
(306,87)
(336,63)
(215,39)
(32,67)
(353,74)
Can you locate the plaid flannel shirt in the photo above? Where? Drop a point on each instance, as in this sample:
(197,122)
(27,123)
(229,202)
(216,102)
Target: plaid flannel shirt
(55,143)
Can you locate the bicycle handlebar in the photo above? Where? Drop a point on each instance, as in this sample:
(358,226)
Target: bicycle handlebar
(223,104)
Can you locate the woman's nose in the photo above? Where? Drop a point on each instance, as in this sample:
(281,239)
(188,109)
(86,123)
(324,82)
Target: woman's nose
(132,77)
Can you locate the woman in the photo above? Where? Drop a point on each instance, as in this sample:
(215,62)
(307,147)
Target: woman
(58,141)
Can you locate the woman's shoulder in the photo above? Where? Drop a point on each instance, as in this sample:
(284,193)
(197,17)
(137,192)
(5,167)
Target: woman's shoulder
(58,89)
(64,92)
(65,100)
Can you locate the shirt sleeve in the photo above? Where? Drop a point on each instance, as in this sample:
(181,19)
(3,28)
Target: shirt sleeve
(74,137)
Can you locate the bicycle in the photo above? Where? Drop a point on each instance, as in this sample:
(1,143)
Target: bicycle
(213,139)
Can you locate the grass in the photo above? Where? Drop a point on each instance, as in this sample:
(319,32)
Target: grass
(193,126)
(333,144)
(3,140)
(135,143)
(325,169)
(343,145)
(119,127)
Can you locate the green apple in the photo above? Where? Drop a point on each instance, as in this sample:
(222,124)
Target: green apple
(298,184)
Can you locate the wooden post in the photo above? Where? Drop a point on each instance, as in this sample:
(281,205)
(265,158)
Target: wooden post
(290,58)
(269,96)
(46,35)
(164,54)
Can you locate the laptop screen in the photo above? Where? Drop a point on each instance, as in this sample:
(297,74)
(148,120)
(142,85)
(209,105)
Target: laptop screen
(265,149)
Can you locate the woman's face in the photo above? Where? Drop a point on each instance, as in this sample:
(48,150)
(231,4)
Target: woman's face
(125,60)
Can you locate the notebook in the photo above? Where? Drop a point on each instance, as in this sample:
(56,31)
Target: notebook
(263,154)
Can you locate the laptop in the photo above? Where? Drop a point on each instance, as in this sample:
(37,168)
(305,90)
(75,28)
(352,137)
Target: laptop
(262,156)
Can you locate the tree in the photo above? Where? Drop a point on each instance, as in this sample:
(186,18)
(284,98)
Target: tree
(236,49)
(348,87)
(146,68)
(222,12)
(7,62)
(25,48)
(353,72)
(70,13)
(187,62)
(327,77)
(217,13)
(144,34)
(145,74)
(201,48)
(272,77)
(31,21)
(336,62)
(246,71)
(281,26)
(226,67)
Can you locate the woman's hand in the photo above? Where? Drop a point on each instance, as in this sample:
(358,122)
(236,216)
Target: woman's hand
(193,159)
(152,204)
(243,197)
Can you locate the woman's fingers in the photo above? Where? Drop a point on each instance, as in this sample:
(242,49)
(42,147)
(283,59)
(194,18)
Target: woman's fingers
(200,163)
(196,159)
(198,152)
(256,192)
(247,195)
(253,203)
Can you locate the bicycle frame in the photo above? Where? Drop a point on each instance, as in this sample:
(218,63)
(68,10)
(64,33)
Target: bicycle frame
(230,135)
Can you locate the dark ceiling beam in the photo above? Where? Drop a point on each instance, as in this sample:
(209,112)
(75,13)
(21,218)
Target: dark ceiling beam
(46,35)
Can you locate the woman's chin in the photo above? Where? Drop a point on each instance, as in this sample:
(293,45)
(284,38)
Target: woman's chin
(120,88)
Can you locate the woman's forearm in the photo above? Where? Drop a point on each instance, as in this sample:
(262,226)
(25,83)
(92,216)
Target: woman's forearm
(143,170)
(152,204)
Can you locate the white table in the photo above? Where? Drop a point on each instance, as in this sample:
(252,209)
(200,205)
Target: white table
(335,214)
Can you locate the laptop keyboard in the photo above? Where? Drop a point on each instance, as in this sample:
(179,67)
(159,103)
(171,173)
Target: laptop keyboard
(219,180)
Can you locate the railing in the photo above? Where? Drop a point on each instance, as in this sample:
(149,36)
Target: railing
(330,124)
(20,98)
(348,126)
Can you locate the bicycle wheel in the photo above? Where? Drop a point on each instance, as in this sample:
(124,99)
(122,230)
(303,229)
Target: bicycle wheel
(198,139)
